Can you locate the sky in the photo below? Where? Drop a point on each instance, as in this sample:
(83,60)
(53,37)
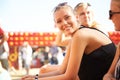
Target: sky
(37,15)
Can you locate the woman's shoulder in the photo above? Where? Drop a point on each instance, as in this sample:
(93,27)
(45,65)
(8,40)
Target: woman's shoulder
(82,34)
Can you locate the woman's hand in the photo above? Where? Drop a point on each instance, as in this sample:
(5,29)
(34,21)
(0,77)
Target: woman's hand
(43,69)
(48,68)
(108,76)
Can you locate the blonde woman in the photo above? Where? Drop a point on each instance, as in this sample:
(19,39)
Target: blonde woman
(85,17)
(88,57)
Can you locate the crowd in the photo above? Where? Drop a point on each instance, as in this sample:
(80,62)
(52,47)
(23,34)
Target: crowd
(81,51)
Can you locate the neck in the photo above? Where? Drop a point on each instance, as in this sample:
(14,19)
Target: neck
(75,31)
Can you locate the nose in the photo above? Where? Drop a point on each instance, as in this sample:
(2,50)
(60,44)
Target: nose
(64,23)
(86,15)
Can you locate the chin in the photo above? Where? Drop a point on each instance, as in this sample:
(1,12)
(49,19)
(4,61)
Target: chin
(67,34)
(117,29)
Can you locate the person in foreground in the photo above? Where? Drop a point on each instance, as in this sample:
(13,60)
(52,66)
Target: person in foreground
(86,18)
(88,55)
(114,71)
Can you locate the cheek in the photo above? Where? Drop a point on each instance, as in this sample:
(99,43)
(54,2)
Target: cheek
(81,19)
(115,20)
(116,23)
(59,27)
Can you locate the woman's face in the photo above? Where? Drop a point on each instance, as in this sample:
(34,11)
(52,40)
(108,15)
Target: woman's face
(115,17)
(65,20)
(85,16)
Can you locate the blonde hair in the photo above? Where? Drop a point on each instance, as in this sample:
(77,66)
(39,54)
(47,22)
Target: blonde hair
(82,5)
(62,5)
(85,5)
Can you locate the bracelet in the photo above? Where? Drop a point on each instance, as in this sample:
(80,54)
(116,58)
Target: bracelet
(36,77)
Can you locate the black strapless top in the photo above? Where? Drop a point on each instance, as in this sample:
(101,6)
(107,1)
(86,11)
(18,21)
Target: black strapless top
(96,64)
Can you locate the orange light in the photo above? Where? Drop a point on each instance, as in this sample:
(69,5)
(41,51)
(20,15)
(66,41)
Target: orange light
(26,38)
(41,42)
(41,34)
(36,38)
(36,43)
(46,38)
(21,38)
(26,33)
(31,38)
(31,43)
(11,43)
(16,43)
(16,33)
(10,38)
(51,38)
(16,38)
(21,33)
(41,38)
(11,33)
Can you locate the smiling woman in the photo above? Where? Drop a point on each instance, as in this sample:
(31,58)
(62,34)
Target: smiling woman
(87,55)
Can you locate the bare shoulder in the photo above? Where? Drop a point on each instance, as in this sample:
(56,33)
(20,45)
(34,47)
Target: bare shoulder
(84,33)
(81,36)
(90,35)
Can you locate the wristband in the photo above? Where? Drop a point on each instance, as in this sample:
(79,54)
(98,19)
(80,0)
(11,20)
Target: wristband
(36,77)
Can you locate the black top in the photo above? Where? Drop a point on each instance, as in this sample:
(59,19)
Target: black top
(96,64)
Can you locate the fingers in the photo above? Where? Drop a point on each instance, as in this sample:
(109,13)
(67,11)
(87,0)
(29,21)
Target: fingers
(108,77)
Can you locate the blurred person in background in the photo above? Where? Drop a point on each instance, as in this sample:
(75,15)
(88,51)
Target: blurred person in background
(26,53)
(61,54)
(37,57)
(4,49)
(4,53)
(45,52)
(85,15)
(53,51)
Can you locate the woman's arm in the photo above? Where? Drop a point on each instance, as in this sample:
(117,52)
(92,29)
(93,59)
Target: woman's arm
(61,39)
(76,50)
(48,68)
(64,74)
(70,66)
(78,45)
(60,71)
